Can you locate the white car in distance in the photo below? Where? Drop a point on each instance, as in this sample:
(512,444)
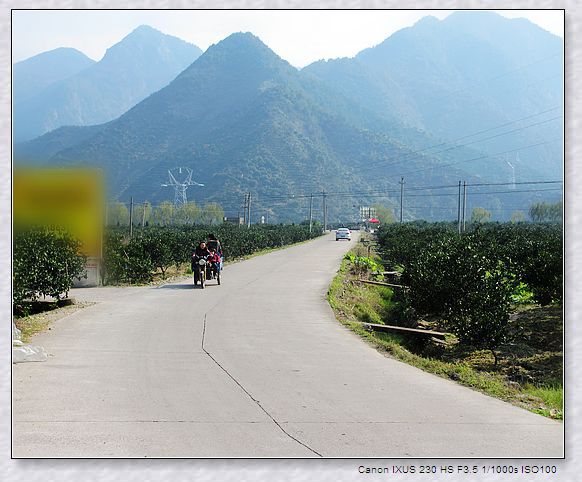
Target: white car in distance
(343,233)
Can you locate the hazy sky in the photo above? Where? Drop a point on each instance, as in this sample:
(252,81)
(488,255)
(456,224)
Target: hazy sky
(298,36)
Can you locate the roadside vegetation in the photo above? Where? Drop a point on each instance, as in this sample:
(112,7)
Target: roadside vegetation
(157,252)
(46,261)
(496,291)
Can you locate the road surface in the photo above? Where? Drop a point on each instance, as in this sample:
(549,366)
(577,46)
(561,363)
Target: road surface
(257,367)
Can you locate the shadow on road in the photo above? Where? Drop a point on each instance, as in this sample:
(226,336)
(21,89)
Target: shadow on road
(186,286)
(178,287)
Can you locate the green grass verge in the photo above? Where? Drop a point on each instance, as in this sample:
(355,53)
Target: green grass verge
(354,302)
(552,398)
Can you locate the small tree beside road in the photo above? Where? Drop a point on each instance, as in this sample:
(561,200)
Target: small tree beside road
(44,264)
(452,278)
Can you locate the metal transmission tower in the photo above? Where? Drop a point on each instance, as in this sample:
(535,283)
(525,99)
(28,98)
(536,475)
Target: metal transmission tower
(180,186)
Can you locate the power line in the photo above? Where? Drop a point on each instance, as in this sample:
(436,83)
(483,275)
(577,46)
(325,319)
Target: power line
(379,193)
(504,74)
(521,67)
(512,183)
(512,86)
(473,134)
(496,127)
(488,192)
(409,155)
(487,156)
(454,208)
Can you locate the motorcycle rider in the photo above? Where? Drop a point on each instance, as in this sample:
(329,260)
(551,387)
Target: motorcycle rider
(201,252)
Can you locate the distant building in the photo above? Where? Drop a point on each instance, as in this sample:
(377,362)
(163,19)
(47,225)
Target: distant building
(367,212)
(234,220)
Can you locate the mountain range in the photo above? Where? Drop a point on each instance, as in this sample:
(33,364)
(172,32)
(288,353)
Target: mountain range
(464,74)
(87,92)
(245,120)
(33,75)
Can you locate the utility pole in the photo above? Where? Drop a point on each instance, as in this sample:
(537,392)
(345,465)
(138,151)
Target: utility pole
(459,210)
(464,204)
(401,196)
(131,216)
(310,212)
(249,216)
(245,211)
(145,204)
(323,195)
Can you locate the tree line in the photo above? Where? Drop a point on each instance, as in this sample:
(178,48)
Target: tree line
(164,214)
(541,212)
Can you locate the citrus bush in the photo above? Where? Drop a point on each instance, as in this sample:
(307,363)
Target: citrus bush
(470,291)
(532,253)
(45,262)
(470,280)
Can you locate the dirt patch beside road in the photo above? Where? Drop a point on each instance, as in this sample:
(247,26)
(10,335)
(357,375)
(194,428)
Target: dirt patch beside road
(46,313)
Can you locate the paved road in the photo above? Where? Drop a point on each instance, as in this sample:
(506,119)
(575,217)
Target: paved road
(257,367)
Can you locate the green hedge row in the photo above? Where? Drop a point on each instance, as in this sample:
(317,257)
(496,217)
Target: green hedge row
(151,249)
(470,280)
(529,253)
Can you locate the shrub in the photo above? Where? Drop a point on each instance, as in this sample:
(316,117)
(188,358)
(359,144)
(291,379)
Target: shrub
(533,252)
(471,280)
(45,261)
(454,279)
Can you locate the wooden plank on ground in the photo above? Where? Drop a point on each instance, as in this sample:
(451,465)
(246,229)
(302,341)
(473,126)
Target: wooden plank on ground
(379,283)
(401,329)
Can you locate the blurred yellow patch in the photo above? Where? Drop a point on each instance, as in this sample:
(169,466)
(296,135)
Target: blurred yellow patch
(71,199)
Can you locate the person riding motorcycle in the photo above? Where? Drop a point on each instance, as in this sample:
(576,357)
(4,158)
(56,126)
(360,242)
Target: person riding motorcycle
(201,252)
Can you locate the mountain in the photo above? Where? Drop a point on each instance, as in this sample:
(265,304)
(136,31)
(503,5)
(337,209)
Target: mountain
(31,76)
(464,74)
(142,63)
(245,120)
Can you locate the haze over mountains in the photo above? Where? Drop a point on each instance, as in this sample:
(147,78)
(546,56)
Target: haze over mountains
(466,73)
(246,120)
(33,75)
(143,62)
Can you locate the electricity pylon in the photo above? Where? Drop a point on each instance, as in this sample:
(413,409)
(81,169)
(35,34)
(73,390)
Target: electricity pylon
(180,186)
